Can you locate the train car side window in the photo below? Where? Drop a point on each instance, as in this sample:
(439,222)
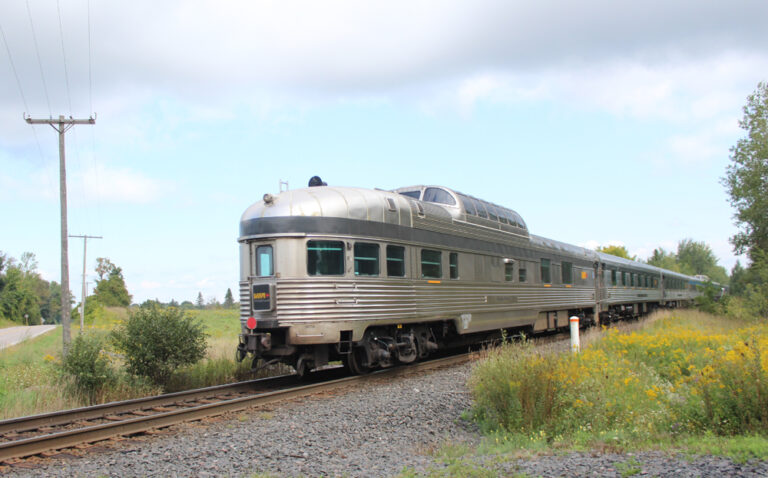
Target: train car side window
(366,259)
(480,209)
(545,277)
(469,206)
(431,264)
(264,267)
(453,264)
(521,272)
(396,261)
(325,258)
(567,272)
(623,278)
(509,270)
(613,276)
(492,212)
(439,196)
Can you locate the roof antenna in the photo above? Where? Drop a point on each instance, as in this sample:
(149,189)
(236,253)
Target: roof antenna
(316,181)
(283,183)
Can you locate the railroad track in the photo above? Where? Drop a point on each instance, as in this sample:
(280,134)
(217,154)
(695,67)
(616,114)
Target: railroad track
(46,433)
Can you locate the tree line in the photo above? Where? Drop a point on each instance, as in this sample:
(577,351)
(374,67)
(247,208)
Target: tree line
(691,258)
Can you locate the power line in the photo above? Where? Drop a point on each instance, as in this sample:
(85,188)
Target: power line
(39,61)
(13,67)
(64,54)
(90,80)
(21,90)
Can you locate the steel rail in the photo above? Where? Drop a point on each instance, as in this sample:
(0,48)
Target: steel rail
(69,438)
(33,422)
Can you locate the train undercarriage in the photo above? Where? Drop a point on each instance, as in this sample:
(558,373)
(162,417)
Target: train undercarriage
(390,345)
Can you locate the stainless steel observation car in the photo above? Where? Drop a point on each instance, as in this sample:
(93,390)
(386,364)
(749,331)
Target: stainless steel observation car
(376,277)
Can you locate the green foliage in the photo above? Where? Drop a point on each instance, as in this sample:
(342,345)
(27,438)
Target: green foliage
(111,291)
(619,251)
(157,341)
(664,259)
(738,281)
(697,258)
(229,301)
(25,297)
(689,374)
(87,363)
(746,178)
(712,300)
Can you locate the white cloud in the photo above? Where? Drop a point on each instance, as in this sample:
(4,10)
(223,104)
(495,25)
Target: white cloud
(122,185)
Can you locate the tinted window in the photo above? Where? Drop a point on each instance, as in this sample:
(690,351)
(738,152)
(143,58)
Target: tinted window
(567,273)
(431,264)
(613,276)
(480,208)
(264,261)
(439,196)
(453,260)
(545,277)
(492,212)
(521,273)
(366,259)
(325,258)
(509,271)
(469,206)
(396,261)
(412,194)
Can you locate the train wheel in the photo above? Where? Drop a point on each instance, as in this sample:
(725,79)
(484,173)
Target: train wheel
(356,361)
(303,367)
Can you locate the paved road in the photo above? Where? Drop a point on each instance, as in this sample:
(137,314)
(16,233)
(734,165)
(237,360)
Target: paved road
(14,335)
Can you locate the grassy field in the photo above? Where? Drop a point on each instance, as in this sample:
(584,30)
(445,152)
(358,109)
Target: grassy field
(30,381)
(685,381)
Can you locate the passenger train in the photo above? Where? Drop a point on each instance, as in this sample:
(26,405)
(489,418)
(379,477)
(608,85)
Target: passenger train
(374,278)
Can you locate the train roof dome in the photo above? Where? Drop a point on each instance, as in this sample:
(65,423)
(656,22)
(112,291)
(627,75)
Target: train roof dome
(466,205)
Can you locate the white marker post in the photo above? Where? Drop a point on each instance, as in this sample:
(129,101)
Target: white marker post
(575,346)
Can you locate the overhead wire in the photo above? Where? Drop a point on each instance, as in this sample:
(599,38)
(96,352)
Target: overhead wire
(21,90)
(39,61)
(64,54)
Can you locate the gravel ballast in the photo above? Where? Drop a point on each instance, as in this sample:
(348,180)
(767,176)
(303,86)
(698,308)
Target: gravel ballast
(374,429)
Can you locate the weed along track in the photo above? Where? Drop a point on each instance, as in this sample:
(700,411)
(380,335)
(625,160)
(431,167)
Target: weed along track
(47,433)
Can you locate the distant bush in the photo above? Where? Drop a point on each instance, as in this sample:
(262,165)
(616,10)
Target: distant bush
(156,341)
(87,365)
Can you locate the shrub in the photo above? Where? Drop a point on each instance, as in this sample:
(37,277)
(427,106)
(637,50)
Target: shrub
(156,341)
(87,363)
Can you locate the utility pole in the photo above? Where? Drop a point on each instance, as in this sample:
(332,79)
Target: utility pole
(62,125)
(82,302)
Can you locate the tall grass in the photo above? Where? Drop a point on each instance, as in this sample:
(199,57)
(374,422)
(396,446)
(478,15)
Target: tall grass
(688,373)
(31,380)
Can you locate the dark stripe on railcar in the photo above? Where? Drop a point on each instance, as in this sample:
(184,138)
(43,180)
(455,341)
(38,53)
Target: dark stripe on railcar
(355,227)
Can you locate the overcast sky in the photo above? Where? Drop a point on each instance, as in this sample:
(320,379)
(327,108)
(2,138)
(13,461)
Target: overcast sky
(600,122)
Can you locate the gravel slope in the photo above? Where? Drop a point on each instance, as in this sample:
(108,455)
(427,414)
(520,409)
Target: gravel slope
(375,429)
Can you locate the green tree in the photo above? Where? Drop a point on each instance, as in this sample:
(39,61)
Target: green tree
(697,258)
(229,301)
(746,178)
(619,251)
(110,291)
(156,341)
(200,302)
(104,267)
(738,280)
(664,259)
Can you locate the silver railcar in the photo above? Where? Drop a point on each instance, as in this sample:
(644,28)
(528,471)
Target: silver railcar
(375,277)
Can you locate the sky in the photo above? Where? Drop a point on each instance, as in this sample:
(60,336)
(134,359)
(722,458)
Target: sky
(600,122)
